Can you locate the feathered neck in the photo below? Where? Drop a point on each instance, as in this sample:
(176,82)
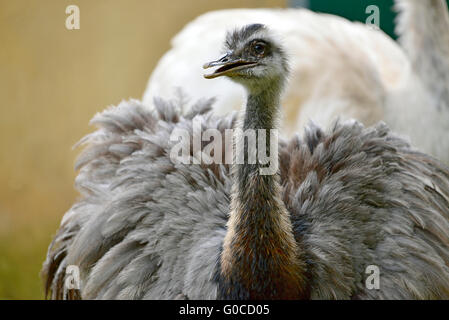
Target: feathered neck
(424,34)
(260,258)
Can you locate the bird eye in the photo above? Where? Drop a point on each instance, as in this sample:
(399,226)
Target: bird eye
(259,48)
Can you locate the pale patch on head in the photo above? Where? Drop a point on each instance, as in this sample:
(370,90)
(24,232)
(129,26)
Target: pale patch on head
(272,64)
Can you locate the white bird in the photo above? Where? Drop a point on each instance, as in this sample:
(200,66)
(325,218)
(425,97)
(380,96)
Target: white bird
(339,69)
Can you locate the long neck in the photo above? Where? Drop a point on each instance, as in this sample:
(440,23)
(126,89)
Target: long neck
(260,258)
(424,34)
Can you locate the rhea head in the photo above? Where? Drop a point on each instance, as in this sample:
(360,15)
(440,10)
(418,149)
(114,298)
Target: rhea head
(252,57)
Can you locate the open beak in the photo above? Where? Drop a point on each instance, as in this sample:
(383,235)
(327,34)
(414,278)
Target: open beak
(226,65)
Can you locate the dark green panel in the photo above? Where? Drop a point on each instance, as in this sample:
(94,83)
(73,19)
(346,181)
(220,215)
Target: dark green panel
(354,10)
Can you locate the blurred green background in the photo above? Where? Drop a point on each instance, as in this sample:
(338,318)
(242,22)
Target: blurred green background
(52,81)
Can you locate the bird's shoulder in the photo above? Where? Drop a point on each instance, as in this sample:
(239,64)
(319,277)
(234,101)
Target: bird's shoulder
(125,170)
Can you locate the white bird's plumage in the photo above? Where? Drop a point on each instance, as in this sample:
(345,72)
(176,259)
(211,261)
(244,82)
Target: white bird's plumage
(339,69)
(315,44)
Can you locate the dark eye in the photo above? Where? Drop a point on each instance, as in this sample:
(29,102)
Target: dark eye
(259,48)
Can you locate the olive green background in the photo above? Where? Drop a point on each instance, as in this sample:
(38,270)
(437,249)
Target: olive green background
(52,81)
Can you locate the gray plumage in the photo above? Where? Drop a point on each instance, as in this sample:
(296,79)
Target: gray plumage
(148,228)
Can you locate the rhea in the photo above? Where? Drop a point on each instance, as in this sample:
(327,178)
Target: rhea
(250,267)
(343,201)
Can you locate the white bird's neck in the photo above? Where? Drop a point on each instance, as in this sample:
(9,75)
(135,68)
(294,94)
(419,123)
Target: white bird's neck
(424,34)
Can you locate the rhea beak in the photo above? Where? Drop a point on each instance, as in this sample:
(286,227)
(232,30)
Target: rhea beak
(227,64)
